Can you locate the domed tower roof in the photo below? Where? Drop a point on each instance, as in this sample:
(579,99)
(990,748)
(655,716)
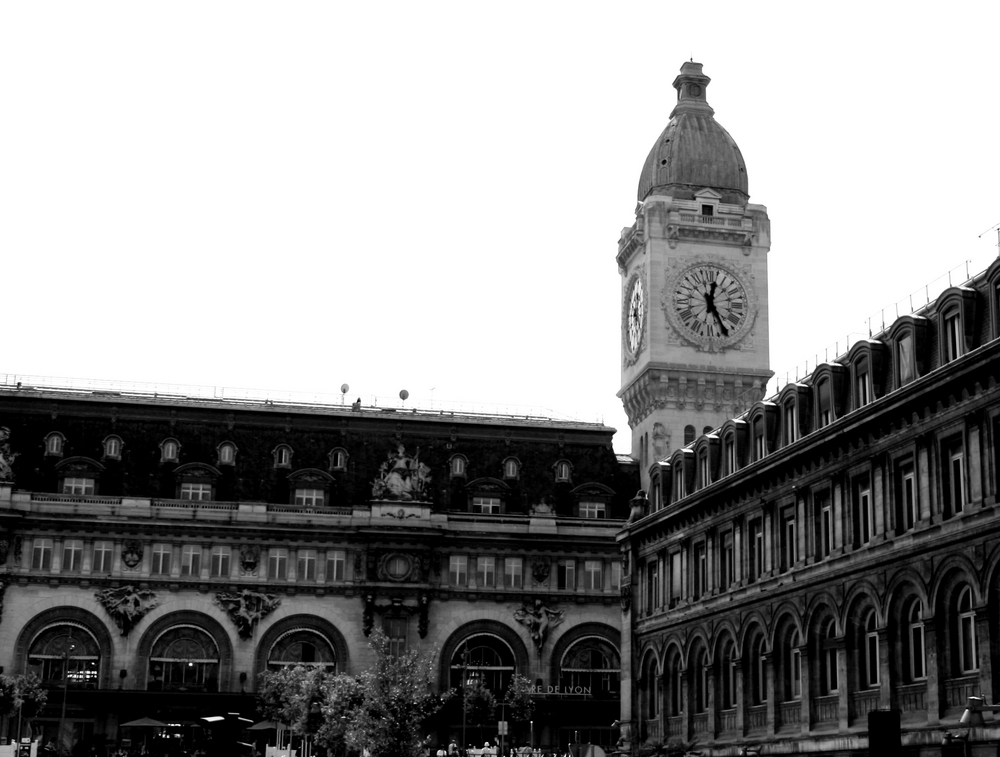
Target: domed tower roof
(694,151)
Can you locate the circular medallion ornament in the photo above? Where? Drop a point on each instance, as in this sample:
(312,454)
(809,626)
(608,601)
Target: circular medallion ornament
(635,314)
(709,305)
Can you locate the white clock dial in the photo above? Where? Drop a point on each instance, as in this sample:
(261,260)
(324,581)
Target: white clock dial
(636,311)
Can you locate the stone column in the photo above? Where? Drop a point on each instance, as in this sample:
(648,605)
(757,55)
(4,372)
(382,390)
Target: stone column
(806,689)
(739,698)
(933,674)
(843,706)
(767,658)
(985,660)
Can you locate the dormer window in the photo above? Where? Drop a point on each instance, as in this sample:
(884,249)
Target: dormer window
(956,315)
(905,359)
(282,456)
(338,459)
(824,402)
(169,451)
(113,448)
(54,444)
(563,471)
(908,338)
(458,466)
(227,453)
(511,469)
(707,210)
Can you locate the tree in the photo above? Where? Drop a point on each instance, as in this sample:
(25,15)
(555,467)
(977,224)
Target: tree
(520,705)
(395,699)
(480,704)
(24,693)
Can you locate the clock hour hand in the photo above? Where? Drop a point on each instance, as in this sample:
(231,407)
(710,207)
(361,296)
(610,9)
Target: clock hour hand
(710,307)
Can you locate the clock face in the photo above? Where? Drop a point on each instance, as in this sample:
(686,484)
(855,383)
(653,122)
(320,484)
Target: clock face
(636,311)
(710,305)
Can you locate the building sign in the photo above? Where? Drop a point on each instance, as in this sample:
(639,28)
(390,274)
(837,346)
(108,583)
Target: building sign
(561,691)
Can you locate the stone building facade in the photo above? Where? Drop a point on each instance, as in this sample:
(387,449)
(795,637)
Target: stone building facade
(832,552)
(160,552)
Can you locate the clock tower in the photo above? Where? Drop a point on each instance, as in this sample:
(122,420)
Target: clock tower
(694,284)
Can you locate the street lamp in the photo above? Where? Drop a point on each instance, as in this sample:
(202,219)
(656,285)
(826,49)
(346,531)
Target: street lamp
(62,716)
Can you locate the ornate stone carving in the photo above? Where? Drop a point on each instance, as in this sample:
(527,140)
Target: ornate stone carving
(4,580)
(127,605)
(626,592)
(540,570)
(403,477)
(132,553)
(6,456)
(368,617)
(249,559)
(424,620)
(538,619)
(4,550)
(246,608)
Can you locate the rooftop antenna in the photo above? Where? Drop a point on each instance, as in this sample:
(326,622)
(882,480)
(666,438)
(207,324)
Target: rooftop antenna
(994,226)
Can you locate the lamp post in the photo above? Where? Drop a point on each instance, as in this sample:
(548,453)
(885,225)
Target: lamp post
(65,691)
(465,682)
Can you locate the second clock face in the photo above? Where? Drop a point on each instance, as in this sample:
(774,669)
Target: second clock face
(636,309)
(710,303)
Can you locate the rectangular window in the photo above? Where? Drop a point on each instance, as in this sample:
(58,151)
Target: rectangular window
(458,570)
(592,510)
(952,337)
(593,575)
(616,576)
(789,536)
(703,479)
(759,449)
(907,495)
(191,560)
(700,570)
(305,565)
(513,572)
(790,426)
(824,535)
(566,575)
(395,631)
(486,505)
(756,550)
(161,560)
(78,485)
(486,571)
(727,562)
(277,564)
(41,554)
(676,579)
(795,659)
(196,491)
(72,561)
(825,402)
(104,552)
(220,562)
(863,514)
(954,476)
(336,565)
(730,455)
(310,497)
(904,355)
(652,586)
(863,388)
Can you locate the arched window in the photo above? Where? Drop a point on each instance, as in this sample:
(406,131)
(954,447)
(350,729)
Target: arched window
(699,677)
(511,468)
(563,471)
(65,654)
(792,667)
(227,453)
(54,444)
(824,403)
(968,645)
(758,671)
(458,466)
(184,658)
(828,658)
(302,646)
(169,451)
(914,654)
(113,448)
(282,456)
(338,459)
(650,702)
(486,658)
(870,652)
(593,664)
(689,433)
(727,678)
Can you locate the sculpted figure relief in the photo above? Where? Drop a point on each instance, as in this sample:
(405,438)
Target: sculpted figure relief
(538,619)
(6,456)
(127,605)
(402,477)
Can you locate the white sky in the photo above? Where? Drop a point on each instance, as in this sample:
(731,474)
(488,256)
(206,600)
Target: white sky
(429,195)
